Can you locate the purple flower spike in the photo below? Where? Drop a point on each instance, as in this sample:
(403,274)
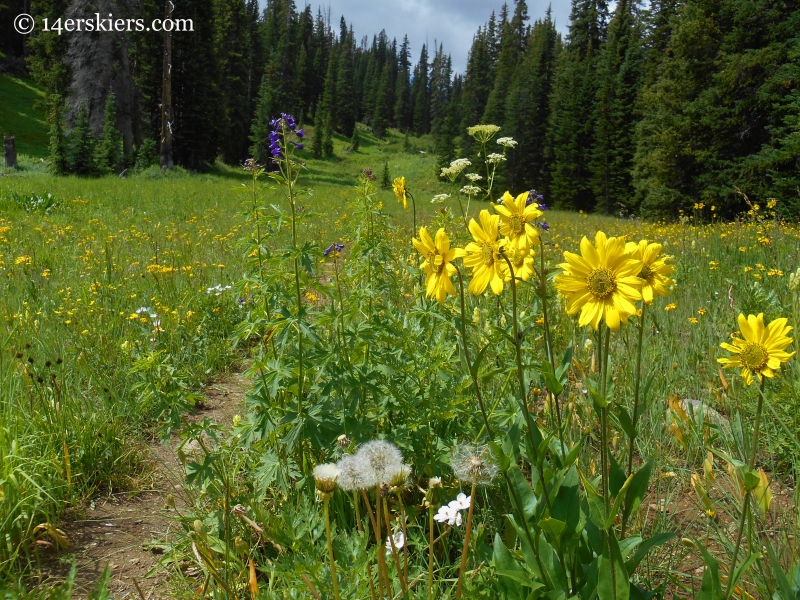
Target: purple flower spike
(299,133)
(542,206)
(339,247)
(544,225)
(298,146)
(328,250)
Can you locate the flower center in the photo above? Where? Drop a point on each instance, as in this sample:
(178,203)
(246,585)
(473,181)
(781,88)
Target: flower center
(516,224)
(487,254)
(754,357)
(646,273)
(602,283)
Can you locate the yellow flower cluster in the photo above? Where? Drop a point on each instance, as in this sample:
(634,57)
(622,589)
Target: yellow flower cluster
(487,254)
(605,279)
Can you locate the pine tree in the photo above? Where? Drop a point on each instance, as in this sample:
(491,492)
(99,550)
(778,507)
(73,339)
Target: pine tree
(48,49)
(327,138)
(512,46)
(383,104)
(386,179)
(355,140)
(80,154)
(319,133)
(345,85)
(108,154)
(420,93)
(527,110)
(57,159)
(619,76)
(571,132)
(403,110)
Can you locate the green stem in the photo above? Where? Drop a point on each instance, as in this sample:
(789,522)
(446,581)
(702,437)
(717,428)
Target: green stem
(635,416)
(745,501)
(430,553)
(604,420)
(395,555)
(335,579)
(523,404)
(465,551)
(376,530)
(548,343)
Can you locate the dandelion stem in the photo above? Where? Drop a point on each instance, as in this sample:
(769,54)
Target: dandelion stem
(405,534)
(335,579)
(395,555)
(465,551)
(751,462)
(377,539)
(430,552)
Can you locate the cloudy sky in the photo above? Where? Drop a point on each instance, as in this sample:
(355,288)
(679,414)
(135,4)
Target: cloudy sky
(451,22)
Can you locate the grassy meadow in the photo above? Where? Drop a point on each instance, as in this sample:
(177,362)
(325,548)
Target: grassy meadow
(116,310)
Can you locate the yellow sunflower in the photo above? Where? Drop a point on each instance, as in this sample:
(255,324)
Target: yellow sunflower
(483,255)
(601,282)
(521,259)
(399,187)
(437,265)
(516,219)
(760,350)
(654,269)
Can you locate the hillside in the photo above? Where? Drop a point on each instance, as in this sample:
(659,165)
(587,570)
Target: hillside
(22,114)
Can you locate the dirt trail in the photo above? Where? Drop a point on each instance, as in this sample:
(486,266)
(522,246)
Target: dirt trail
(126,530)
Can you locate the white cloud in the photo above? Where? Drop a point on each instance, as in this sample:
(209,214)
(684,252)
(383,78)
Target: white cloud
(450,22)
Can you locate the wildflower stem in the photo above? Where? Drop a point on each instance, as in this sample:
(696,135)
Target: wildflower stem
(604,419)
(523,404)
(635,415)
(430,552)
(395,555)
(405,534)
(466,356)
(751,462)
(465,551)
(334,578)
(377,533)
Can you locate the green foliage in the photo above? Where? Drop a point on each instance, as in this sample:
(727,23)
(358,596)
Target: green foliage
(108,153)
(57,159)
(80,145)
(355,141)
(386,178)
(24,114)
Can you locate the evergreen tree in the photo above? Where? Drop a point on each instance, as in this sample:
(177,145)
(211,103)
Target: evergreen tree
(527,110)
(196,90)
(108,154)
(48,49)
(345,85)
(57,160)
(403,110)
(386,179)
(80,154)
(512,46)
(619,76)
(420,93)
(232,49)
(327,138)
(355,141)
(571,132)
(319,133)
(383,104)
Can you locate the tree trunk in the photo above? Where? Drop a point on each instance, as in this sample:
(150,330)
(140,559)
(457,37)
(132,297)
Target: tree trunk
(10,146)
(167,115)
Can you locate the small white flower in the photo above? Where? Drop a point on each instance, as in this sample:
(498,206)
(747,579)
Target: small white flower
(494,158)
(462,502)
(506,142)
(470,190)
(449,515)
(440,198)
(399,542)
(143,309)
(473,177)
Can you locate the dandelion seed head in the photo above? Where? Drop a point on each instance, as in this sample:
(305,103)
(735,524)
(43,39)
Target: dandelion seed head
(474,463)
(382,457)
(352,476)
(400,477)
(325,477)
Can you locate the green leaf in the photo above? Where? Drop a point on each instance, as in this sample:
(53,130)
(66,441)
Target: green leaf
(711,586)
(740,570)
(751,479)
(785,589)
(645,547)
(637,488)
(617,503)
(553,526)
(553,384)
(510,573)
(613,582)
(625,421)
(597,509)
(617,476)
(524,492)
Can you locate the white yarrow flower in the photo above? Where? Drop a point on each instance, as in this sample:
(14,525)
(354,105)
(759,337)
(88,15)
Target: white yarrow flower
(440,198)
(495,159)
(473,177)
(471,190)
(506,142)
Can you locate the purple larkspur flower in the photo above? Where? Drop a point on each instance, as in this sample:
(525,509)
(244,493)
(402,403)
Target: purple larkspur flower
(299,133)
(544,225)
(339,247)
(298,146)
(328,250)
(542,206)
